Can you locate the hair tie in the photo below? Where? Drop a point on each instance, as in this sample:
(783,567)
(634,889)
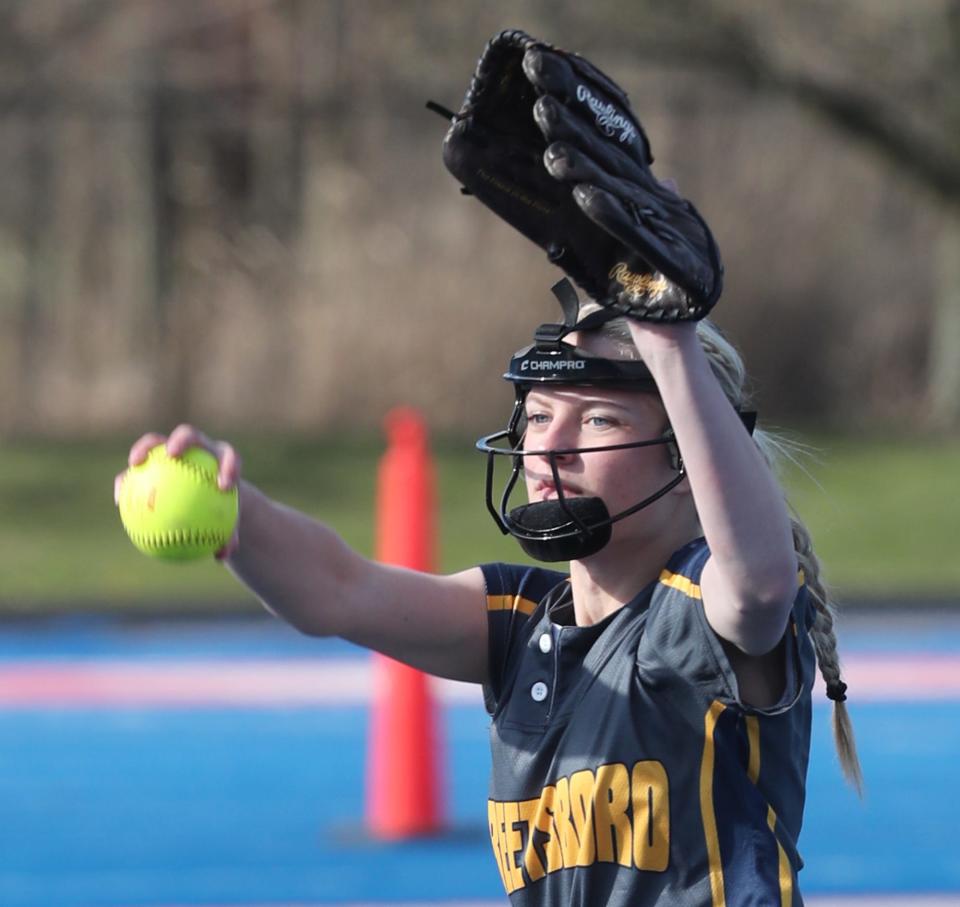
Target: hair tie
(837,691)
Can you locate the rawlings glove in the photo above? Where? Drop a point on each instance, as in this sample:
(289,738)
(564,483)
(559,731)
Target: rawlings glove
(550,144)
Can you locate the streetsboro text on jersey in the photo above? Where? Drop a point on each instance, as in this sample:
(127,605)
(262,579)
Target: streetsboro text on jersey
(612,815)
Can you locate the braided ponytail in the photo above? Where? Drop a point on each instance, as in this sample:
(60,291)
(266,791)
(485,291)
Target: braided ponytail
(825,644)
(729,370)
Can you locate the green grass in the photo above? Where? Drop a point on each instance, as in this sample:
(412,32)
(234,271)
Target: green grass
(62,545)
(883,515)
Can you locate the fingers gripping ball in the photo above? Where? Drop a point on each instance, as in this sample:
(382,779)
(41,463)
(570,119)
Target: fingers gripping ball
(172,508)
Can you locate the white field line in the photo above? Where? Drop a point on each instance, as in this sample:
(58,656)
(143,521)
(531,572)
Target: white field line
(357,681)
(342,682)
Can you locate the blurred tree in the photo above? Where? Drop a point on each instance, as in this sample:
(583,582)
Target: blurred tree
(885,73)
(194,188)
(31,50)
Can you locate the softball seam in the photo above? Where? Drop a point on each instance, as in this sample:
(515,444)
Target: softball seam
(199,474)
(177,536)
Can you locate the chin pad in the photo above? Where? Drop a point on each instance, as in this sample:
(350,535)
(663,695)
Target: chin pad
(562,539)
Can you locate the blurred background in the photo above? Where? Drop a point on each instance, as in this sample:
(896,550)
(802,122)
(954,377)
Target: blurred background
(234,213)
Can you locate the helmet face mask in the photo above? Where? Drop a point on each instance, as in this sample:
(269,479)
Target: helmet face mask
(566,528)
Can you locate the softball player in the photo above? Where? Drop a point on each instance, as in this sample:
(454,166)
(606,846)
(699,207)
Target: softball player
(650,710)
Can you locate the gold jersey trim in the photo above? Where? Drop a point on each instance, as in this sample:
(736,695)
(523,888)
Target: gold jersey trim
(707,813)
(688,587)
(681,583)
(784,870)
(510,603)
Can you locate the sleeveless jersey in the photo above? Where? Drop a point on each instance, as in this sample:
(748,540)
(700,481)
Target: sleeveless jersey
(626,769)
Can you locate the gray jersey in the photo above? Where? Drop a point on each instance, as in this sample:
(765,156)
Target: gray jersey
(626,769)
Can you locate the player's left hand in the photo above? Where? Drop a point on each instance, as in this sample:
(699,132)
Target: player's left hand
(657,340)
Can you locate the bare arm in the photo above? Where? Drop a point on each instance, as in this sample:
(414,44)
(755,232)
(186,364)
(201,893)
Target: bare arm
(305,573)
(749,583)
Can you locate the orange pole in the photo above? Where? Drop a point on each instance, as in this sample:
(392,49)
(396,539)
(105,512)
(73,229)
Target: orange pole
(403,779)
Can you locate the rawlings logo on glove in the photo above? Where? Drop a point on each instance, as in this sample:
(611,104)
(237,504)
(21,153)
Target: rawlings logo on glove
(608,118)
(549,143)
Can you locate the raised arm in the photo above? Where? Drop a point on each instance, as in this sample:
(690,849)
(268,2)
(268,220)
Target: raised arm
(305,573)
(749,583)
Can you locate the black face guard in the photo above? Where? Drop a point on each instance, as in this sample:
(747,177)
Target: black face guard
(566,528)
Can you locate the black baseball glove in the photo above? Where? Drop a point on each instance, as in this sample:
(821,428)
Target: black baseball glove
(550,144)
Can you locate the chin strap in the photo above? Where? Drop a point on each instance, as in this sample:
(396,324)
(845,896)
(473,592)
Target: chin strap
(548,336)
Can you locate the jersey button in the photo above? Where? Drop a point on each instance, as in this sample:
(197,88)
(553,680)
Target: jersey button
(546,643)
(538,692)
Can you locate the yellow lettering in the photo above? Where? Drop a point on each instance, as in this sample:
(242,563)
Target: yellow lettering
(511,815)
(544,822)
(504,850)
(515,192)
(495,840)
(612,814)
(651,816)
(564,827)
(581,812)
(637,285)
(531,858)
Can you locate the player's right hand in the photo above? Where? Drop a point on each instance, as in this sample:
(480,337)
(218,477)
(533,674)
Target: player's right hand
(181,439)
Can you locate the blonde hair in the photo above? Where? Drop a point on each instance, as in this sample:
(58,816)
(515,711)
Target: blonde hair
(729,370)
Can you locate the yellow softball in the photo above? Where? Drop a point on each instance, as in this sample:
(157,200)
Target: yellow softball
(172,508)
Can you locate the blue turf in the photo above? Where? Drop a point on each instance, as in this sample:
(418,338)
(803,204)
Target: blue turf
(88,637)
(902,836)
(112,807)
(121,807)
